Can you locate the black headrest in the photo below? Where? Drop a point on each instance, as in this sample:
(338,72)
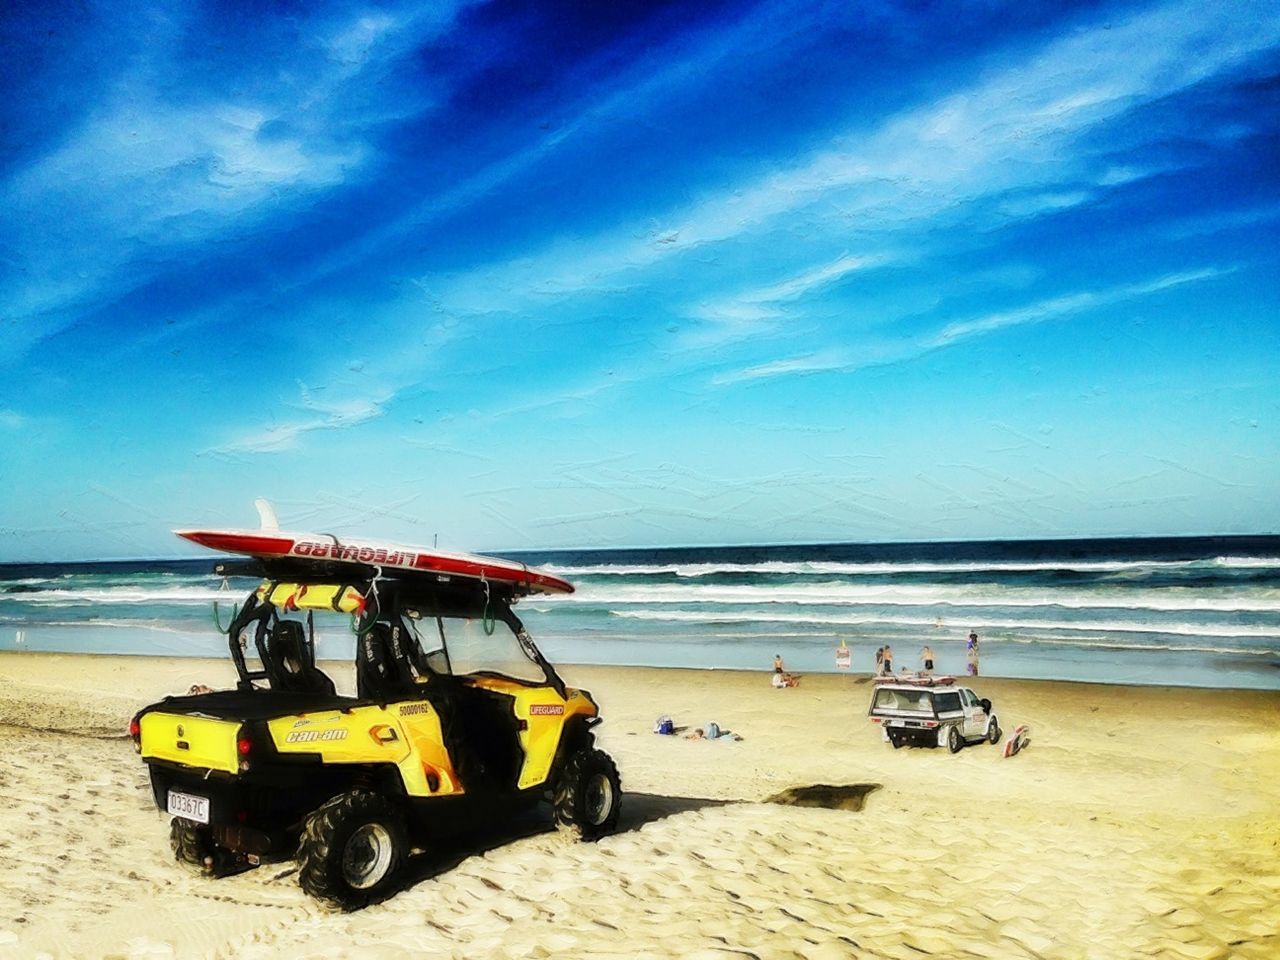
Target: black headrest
(288,636)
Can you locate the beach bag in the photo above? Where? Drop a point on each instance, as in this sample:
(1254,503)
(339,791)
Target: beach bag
(665,726)
(712,730)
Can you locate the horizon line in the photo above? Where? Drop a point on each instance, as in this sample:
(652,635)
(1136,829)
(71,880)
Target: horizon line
(715,546)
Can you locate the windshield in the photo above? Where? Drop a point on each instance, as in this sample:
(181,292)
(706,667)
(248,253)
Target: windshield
(947,702)
(471,648)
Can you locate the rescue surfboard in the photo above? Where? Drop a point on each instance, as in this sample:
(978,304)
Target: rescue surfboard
(270,544)
(1018,740)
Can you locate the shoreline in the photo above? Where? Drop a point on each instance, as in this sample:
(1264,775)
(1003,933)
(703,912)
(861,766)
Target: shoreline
(1269,668)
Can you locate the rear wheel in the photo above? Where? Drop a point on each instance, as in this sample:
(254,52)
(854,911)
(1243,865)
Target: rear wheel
(954,740)
(351,850)
(896,739)
(191,844)
(993,731)
(588,795)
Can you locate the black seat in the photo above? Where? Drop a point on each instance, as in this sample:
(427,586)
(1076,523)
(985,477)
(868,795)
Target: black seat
(292,661)
(382,672)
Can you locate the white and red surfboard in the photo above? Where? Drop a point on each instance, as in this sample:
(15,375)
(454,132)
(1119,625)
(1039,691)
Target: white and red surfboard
(273,544)
(1018,740)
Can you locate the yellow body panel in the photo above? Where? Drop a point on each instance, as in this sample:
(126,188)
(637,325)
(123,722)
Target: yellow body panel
(408,735)
(545,715)
(405,734)
(194,741)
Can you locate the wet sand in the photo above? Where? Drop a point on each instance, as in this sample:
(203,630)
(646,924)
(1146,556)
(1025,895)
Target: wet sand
(1141,822)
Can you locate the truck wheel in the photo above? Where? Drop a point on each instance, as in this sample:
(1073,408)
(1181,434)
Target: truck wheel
(588,795)
(191,844)
(351,850)
(896,740)
(993,731)
(954,740)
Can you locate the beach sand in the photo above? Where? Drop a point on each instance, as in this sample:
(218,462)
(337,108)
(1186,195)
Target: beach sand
(1141,822)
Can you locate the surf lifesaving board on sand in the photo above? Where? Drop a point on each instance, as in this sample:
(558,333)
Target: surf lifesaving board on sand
(278,545)
(1018,740)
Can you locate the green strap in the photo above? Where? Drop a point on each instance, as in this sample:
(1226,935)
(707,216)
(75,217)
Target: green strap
(235,610)
(487,620)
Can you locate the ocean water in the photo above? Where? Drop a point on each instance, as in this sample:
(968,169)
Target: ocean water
(1178,611)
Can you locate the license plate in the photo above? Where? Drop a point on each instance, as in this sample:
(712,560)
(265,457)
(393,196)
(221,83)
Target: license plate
(188,807)
(896,723)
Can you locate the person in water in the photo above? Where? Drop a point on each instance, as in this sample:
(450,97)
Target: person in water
(926,657)
(971,654)
(777,664)
(887,664)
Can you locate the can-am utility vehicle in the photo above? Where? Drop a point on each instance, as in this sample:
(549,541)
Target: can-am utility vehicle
(283,766)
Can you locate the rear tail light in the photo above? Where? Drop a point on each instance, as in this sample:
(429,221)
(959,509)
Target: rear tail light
(244,746)
(135,734)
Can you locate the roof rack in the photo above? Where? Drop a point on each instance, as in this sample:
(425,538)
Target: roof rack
(915,680)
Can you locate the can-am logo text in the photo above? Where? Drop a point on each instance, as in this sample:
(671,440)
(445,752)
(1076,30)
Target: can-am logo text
(307,736)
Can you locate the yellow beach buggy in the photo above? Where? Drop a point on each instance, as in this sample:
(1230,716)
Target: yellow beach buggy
(457,714)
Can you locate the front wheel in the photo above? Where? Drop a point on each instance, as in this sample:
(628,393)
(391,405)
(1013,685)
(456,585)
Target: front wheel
(588,795)
(351,850)
(993,731)
(954,740)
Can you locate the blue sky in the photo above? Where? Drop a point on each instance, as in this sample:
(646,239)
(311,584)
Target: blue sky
(532,275)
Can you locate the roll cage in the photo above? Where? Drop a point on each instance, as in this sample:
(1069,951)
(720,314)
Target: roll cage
(390,661)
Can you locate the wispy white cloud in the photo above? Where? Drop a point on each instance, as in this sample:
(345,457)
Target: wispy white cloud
(809,280)
(1072,303)
(850,359)
(1007,134)
(791,366)
(353,43)
(279,437)
(156,167)
(1007,137)
(1026,207)
(348,392)
(652,81)
(757,310)
(1219,221)
(1013,138)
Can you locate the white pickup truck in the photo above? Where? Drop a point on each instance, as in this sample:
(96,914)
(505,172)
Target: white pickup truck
(930,712)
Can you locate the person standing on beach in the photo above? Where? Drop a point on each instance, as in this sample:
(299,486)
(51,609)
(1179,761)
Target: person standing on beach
(926,657)
(879,659)
(887,666)
(971,654)
(777,664)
